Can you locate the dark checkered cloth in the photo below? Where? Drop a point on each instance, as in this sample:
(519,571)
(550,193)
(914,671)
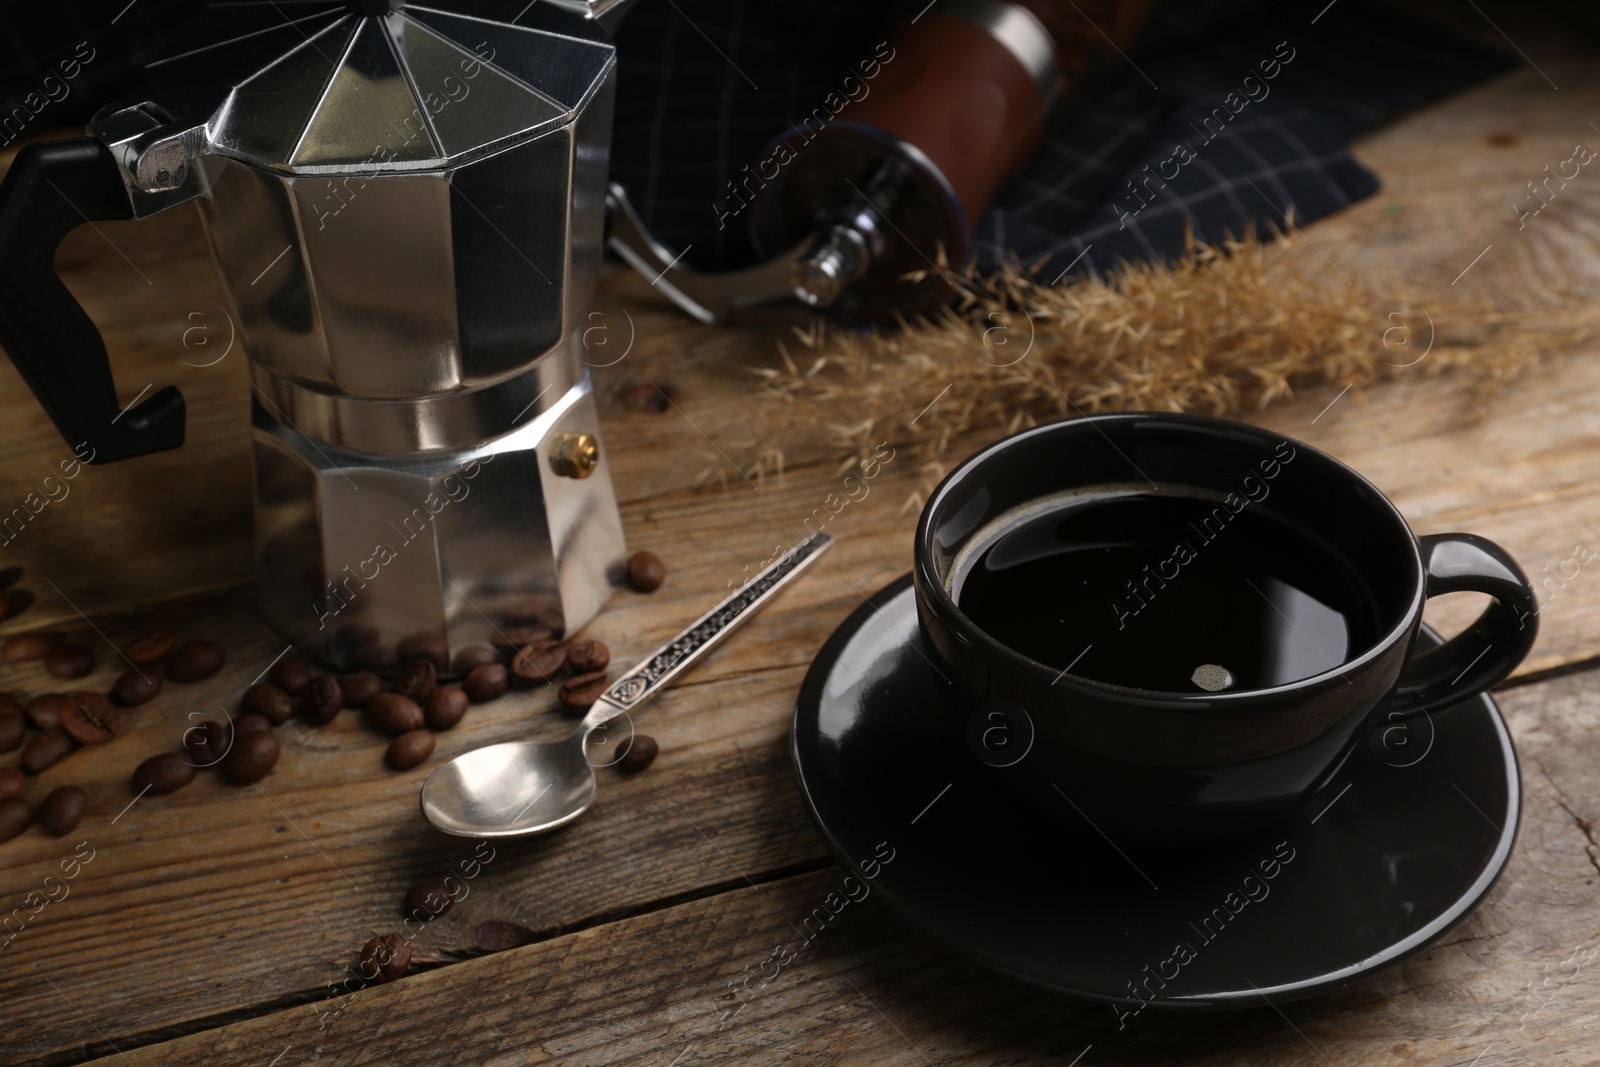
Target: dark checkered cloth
(705,85)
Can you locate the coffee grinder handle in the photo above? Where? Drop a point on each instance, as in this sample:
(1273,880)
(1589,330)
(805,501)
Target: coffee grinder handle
(53,187)
(1484,653)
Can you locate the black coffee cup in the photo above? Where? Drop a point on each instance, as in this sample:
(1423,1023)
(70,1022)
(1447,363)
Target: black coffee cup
(1142,765)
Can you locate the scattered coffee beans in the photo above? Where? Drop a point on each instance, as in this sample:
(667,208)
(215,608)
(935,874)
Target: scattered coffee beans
(321,700)
(409,750)
(474,656)
(641,752)
(132,688)
(427,900)
(383,959)
(45,750)
(269,701)
(490,681)
(588,656)
(583,690)
(645,572)
(252,757)
(195,661)
(12,783)
(44,710)
(290,674)
(431,647)
(150,648)
(416,678)
(497,936)
(445,707)
(10,727)
(359,688)
(68,661)
(90,719)
(393,713)
(15,815)
(513,638)
(63,810)
(538,662)
(20,648)
(206,742)
(165,773)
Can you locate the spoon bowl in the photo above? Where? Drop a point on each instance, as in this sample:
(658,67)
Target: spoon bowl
(511,789)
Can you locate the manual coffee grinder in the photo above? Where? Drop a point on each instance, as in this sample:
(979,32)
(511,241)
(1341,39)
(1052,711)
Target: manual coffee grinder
(406,204)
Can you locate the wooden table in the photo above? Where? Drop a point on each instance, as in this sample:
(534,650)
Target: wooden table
(218,925)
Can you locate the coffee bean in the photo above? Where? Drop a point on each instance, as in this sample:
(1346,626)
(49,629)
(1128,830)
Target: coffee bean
(44,750)
(12,783)
(10,726)
(15,816)
(20,648)
(359,688)
(379,656)
(646,398)
(538,663)
(132,688)
(641,752)
(90,719)
(509,640)
(206,742)
(164,773)
(44,710)
(431,647)
(582,690)
(486,682)
(427,900)
(445,707)
(497,936)
(290,674)
(195,661)
(588,656)
(149,648)
(416,679)
(409,749)
(269,701)
(63,810)
(249,722)
(68,661)
(474,656)
(383,959)
(393,713)
(645,572)
(252,757)
(321,700)
(14,602)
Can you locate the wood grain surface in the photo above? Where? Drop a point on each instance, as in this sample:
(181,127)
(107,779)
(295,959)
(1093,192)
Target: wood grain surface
(216,924)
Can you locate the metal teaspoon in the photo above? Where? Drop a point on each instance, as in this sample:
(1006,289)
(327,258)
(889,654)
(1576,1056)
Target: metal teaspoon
(521,788)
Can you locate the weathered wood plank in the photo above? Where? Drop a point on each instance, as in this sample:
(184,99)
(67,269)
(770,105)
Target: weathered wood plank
(655,988)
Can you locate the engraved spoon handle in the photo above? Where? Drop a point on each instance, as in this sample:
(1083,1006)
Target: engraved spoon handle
(704,634)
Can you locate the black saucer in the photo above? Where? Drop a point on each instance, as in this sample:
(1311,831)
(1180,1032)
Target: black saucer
(1400,846)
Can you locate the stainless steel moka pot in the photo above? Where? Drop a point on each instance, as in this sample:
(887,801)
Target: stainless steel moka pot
(406,203)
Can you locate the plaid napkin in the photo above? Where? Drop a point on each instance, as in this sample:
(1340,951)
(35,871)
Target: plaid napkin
(1226,117)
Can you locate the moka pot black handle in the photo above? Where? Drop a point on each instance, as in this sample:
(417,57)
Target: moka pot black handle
(53,187)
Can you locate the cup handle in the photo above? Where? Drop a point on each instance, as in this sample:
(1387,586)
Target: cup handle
(1487,651)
